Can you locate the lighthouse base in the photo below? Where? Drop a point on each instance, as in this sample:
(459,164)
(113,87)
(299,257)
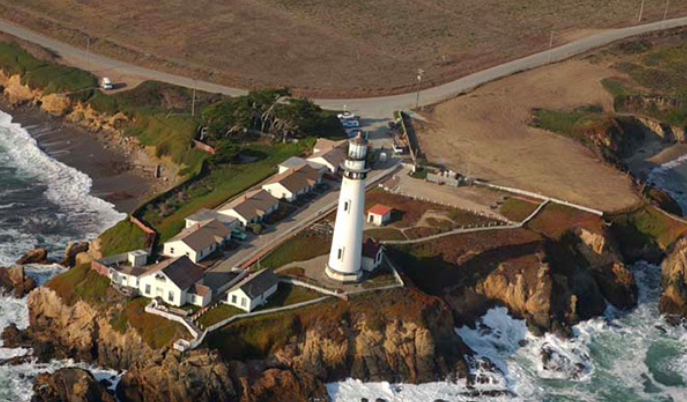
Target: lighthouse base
(344,277)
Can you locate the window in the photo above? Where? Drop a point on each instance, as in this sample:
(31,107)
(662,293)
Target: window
(340,254)
(147,289)
(346,205)
(171,250)
(243,302)
(233,299)
(170,296)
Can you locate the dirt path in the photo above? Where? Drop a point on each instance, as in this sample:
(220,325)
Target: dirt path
(487,134)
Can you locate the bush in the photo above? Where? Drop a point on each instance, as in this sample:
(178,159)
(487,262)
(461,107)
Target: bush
(256,228)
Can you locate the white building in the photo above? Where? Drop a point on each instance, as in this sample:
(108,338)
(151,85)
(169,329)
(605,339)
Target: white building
(329,154)
(379,215)
(345,256)
(173,280)
(293,183)
(204,215)
(198,241)
(254,206)
(253,291)
(372,255)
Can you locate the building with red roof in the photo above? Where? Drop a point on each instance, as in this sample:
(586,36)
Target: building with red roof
(379,214)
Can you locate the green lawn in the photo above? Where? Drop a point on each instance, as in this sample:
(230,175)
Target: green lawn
(215,187)
(81,283)
(647,225)
(121,238)
(217,314)
(156,331)
(385,234)
(302,247)
(288,294)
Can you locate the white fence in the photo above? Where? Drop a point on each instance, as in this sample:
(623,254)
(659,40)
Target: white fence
(540,197)
(151,309)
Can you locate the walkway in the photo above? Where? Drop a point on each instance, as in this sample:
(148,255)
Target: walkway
(471,230)
(378,107)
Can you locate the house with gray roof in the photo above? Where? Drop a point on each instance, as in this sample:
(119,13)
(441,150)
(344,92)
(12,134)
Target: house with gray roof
(293,183)
(251,207)
(174,281)
(253,291)
(198,241)
(204,215)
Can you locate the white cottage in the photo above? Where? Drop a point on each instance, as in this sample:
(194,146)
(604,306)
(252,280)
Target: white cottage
(253,291)
(254,206)
(293,183)
(372,255)
(198,241)
(172,280)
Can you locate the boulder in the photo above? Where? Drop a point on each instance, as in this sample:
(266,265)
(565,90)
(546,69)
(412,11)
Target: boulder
(72,250)
(673,301)
(14,281)
(37,256)
(69,385)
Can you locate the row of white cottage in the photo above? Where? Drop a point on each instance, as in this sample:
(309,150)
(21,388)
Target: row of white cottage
(178,281)
(208,230)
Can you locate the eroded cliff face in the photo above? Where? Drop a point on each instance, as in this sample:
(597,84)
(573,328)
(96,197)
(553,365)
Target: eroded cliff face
(673,301)
(83,332)
(69,385)
(556,286)
(378,346)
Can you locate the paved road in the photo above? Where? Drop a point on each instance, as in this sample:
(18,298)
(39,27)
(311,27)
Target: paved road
(377,107)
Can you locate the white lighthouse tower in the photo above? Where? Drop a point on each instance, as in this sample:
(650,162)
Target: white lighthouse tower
(345,257)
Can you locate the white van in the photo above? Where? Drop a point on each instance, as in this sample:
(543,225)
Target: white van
(106,84)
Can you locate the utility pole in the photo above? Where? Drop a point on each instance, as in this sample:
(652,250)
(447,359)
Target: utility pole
(420,72)
(193,101)
(550,46)
(641,11)
(88,51)
(665,14)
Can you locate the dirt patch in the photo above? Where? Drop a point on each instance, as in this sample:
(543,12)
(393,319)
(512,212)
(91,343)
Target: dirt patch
(327,47)
(487,134)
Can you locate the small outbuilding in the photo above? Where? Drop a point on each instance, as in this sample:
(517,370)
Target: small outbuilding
(379,215)
(253,291)
(372,255)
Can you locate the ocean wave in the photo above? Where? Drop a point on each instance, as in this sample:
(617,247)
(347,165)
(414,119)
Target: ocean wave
(663,178)
(66,186)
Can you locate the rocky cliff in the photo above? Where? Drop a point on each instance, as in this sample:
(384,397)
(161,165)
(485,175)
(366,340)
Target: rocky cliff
(69,385)
(13,280)
(673,301)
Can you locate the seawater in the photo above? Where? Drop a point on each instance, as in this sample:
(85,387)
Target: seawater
(632,356)
(43,203)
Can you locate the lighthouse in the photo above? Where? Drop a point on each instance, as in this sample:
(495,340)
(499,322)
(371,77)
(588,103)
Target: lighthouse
(345,256)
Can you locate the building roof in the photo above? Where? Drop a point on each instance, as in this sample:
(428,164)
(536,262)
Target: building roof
(129,269)
(324,144)
(371,248)
(252,204)
(297,179)
(202,235)
(199,289)
(181,270)
(293,162)
(205,214)
(335,156)
(380,209)
(256,284)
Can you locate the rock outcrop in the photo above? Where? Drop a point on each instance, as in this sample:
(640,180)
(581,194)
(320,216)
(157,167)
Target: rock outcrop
(198,376)
(69,385)
(673,301)
(83,332)
(73,249)
(13,280)
(37,256)
(284,385)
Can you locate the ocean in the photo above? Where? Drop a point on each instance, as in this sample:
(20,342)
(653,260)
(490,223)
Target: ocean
(623,356)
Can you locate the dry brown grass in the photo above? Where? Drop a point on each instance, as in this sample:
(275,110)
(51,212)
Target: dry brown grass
(488,133)
(360,47)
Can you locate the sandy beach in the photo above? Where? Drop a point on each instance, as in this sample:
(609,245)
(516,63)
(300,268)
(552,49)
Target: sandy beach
(124,179)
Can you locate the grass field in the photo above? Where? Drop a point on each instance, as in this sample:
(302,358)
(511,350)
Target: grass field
(647,226)
(555,220)
(81,283)
(517,209)
(379,43)
(121,238)
(156,331)
(301,247)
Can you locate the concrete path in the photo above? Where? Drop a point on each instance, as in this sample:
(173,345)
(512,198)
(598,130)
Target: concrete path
(377,107)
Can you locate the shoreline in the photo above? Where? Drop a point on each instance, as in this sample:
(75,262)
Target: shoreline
(122,177)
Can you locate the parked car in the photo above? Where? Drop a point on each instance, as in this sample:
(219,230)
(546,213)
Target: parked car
(398,150)
(106,84)
(347,116)
(239,234)
(350,123)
